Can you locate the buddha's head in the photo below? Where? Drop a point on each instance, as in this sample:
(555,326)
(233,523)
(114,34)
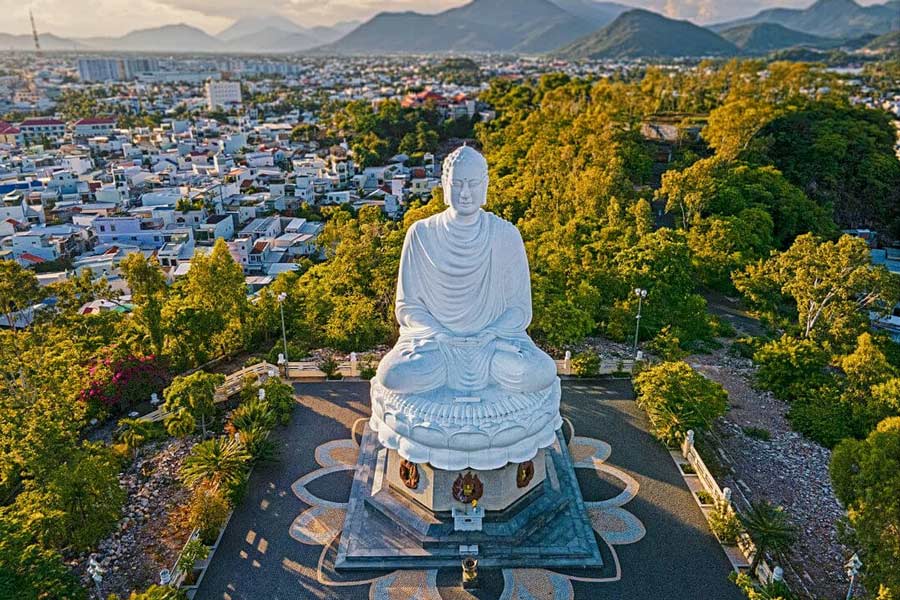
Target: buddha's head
(465,181)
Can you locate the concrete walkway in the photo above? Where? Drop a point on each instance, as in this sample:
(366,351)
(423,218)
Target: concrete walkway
(656,545)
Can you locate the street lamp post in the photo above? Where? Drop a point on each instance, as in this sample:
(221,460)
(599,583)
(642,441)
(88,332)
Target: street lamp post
(281,298)
(641,294)
(853,565)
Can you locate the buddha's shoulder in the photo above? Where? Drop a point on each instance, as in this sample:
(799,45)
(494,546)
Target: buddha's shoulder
(502,227)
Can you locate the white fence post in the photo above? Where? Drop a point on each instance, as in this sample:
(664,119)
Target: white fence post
(688,443)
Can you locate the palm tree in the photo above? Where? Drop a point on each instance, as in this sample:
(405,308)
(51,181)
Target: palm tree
(769,528)
(253,413)
(219,461)
(132,440)
(255,440)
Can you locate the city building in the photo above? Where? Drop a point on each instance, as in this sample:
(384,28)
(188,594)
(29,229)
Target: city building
(222,94)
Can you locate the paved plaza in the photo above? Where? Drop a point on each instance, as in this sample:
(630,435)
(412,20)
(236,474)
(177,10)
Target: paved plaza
(282,541)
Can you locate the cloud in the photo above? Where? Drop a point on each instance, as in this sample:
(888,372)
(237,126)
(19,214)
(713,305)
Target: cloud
(309,12)
(84,18)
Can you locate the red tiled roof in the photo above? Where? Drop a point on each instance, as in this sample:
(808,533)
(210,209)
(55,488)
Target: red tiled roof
(6,128)
(32,122)
(260,246)
(32,258)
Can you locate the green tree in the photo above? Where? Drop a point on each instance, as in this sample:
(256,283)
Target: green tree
(866,478)
(196,393)
(215,284)
(769,528)
(715,186)
(677,399)
(788,365)
(831,286)
(842,156)
(733,126)
(77,503)
(19,290)
(148,291)
(722,245)
(660,263)
(29,571)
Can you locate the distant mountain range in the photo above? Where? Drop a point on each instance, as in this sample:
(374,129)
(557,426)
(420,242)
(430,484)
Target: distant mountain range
(584,28)
(271,34)
(568,28)
(760,38)
(641,33)
(526,26)
(828,18)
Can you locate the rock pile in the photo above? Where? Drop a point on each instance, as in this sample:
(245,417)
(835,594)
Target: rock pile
(145,540)
(788,470)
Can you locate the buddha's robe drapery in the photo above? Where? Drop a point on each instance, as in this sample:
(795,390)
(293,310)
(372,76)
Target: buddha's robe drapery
(463,280)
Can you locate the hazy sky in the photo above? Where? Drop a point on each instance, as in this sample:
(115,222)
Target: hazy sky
(83,18)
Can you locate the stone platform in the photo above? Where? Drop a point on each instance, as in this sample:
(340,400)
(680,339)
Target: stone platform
(548,527)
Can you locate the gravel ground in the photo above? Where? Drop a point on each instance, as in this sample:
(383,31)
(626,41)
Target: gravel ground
(787,470)
(147,538)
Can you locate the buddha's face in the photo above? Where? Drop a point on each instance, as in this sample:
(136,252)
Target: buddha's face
(465,187)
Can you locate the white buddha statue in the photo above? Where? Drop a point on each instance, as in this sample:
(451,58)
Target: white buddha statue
(464,297)
(463,304)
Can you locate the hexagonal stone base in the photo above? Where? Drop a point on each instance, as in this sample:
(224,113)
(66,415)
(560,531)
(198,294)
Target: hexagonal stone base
(383,529)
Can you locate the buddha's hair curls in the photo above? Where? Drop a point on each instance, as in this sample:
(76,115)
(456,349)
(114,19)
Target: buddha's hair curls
(460,155)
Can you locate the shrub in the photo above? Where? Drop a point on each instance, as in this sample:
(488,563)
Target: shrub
(193,551)
(280,397)
(155,592)
(330,367)
(677,399)
(207,512)
(367,370)
(116,384)
(724,523)
(722,327)
(744,347)
(666,345)
(687,468)
(757,433)
(777,590)
(821,416)
(134,433)
(220,461)
(769,528)
(296,351)
(788,365)
(705,497)
(180,423)
(586,364)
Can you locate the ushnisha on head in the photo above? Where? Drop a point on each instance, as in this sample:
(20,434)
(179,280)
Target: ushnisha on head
(465,180)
